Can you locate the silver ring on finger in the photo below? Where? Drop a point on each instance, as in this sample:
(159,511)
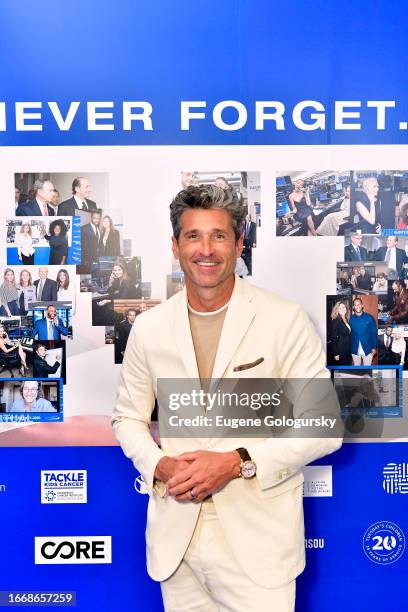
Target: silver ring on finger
(192,494)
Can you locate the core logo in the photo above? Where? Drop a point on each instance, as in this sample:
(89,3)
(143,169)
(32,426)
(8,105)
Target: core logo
(384,542)
(64,486)
(73,550)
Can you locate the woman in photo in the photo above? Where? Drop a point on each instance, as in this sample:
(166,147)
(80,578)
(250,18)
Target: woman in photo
(9,295)
(403,214)
(11,355)
(120,287)
(399,347)
(24,242)
(58,241)
(340,331)
(331,223)
(366,207)
(65,289)
(355,274)
(26,291)
(301,205)
(344,280)
(110,239)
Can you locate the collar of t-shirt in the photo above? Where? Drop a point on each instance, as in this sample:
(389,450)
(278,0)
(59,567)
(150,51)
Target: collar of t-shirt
(208,314)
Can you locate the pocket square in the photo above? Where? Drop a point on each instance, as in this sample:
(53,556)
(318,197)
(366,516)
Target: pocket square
(247,366)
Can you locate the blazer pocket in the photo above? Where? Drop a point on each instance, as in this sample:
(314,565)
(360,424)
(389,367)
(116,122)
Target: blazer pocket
(248,366)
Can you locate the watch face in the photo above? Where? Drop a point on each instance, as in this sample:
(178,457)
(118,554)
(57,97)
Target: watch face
(248,469)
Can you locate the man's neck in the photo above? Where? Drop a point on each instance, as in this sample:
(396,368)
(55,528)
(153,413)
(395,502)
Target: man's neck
(209,299)
(40,201)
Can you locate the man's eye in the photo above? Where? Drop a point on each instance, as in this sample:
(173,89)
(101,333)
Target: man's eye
(192,236)
(220,236)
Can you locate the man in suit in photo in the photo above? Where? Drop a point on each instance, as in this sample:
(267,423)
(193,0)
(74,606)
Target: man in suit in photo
(249,232)
(90,242)
(81,190)
(122,334)
(354,251)
(229,505)
(41,205)
(386,355)
(46,288)
(41,367)
(393,256)
(49,327)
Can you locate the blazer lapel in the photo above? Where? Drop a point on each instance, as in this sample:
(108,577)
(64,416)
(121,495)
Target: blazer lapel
(182,335)
(241,311)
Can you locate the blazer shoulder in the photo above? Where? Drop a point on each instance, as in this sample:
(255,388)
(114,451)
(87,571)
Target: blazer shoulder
(271,301)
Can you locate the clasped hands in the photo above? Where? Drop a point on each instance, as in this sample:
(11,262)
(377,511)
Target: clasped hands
(196,475)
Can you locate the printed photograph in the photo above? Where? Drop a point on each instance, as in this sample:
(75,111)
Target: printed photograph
(313,203)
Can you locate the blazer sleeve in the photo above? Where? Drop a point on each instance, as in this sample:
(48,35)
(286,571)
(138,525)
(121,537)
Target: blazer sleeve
(278,458)
(134,405)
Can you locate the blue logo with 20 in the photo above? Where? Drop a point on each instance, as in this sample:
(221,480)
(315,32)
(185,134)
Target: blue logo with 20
(384,542)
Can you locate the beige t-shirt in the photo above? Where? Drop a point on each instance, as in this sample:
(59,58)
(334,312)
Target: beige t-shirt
(206,330)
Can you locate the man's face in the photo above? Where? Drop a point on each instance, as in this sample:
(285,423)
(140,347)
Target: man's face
(43,273)
(131,316)
(187,179)
(55,198)
(51,312)
(362,270)
(206,248)
(30,391)
(388,331)
(96,218)
(17,194)
(47,192)
(83,190)
(358,306)
(42,351)
(391,242)
(356,240)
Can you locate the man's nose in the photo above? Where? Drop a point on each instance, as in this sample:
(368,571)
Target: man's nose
(206,246)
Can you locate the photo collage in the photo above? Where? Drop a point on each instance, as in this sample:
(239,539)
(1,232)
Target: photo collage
(367,319)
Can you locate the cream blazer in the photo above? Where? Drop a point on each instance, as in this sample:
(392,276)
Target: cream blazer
(262,517)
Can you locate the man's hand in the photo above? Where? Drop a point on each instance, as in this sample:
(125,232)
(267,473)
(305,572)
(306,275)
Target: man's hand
(205,473)
(168,467)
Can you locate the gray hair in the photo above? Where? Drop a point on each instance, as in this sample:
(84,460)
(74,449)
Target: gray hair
(207,197)
(39,183)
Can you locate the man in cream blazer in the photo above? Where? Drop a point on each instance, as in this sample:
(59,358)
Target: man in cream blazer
(217,540)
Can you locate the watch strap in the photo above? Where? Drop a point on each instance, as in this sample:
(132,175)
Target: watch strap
(243,453)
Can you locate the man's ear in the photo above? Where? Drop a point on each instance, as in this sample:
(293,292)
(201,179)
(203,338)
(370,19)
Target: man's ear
(239,245)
